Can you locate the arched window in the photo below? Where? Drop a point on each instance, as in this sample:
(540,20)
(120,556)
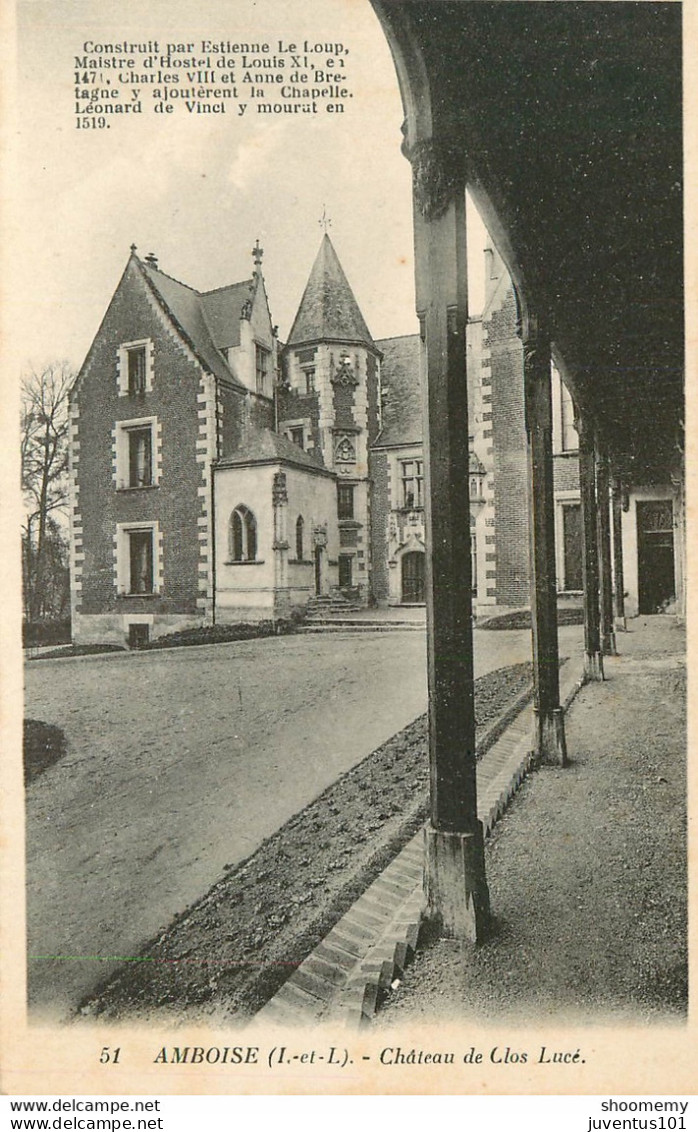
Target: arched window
(242,535)
(299,538)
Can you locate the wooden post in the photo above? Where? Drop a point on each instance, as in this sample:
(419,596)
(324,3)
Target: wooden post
(593,660)
(549,737)
(456,887)
(618,577)
(607,632)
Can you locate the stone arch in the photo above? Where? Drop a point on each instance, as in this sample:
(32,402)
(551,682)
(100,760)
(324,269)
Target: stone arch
(242,535)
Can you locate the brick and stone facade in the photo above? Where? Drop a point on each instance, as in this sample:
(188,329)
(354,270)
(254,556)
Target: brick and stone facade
(176,383)
(216,475)
(330,406)
(173,505)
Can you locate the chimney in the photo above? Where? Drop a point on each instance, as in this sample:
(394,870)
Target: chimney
(152,260)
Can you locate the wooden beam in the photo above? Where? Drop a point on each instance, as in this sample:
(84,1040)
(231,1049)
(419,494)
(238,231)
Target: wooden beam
(618,573)
(549,738)
(456,887)
(607,631)
(593,660)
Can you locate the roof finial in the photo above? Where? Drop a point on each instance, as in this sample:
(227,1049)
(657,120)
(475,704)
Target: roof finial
(257,254)
(133,249)
(324,220)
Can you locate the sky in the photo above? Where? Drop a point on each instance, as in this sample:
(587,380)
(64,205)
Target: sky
(198,191)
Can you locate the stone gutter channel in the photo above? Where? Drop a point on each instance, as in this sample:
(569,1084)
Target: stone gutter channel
(345,977)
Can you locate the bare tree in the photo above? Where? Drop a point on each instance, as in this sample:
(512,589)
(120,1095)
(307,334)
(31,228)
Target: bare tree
(44,446)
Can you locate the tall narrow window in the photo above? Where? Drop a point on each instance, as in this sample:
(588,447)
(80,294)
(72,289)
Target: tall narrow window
(242,535)
(309,380)
(345,501)
(262,369)
(412,481)
(136,369)
(141,561)
(299,538)
(140,457)
(570,437)
(296,435)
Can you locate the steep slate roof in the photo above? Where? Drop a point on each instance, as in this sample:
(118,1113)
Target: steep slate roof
(328,310)
(222,308)
(190,311)
(402,409)
(261,445)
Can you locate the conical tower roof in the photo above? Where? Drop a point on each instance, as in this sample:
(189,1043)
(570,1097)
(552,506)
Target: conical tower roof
(328,310)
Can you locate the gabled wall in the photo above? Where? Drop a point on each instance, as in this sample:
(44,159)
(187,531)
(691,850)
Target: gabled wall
(181,401)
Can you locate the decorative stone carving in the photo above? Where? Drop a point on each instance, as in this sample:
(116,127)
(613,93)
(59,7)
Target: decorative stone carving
(344,450)
(438,174)
(279,491)
(344,374)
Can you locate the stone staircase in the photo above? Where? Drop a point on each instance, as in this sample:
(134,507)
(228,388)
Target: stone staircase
(330,605)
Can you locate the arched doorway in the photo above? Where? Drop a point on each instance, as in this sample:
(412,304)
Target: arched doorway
(413,578)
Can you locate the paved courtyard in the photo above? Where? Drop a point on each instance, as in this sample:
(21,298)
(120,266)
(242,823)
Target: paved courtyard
(181,762)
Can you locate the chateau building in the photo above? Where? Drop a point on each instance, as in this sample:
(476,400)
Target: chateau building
(218,475)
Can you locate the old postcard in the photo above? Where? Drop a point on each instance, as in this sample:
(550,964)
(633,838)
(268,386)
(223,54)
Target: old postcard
(345,549)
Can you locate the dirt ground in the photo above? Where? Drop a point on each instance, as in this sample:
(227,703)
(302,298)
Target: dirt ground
(179,764)
(587,872)
(230,952)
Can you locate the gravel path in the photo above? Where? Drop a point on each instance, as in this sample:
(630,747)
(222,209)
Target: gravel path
(587,871)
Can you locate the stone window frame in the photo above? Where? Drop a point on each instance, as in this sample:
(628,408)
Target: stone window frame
(122,446)
(569,498)
(417,477)
(263,372)
(123,558)
(122,366)
(342,509)
(299,422)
